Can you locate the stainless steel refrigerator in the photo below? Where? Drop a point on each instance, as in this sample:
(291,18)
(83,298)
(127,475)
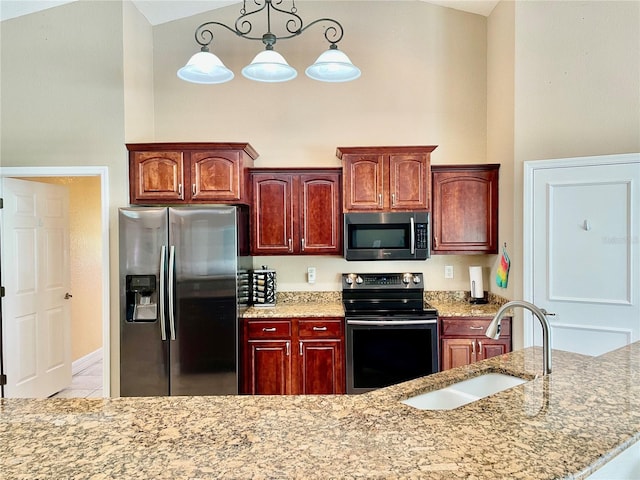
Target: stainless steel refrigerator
(183,284)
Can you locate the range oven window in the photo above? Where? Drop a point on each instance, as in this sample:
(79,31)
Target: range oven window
(379,356)
(379,236)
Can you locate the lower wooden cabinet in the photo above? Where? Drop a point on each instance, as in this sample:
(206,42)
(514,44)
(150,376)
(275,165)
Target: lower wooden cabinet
(293,356)
(463,340)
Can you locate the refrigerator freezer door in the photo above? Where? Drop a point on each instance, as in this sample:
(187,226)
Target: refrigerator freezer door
(204,354)
(143,354)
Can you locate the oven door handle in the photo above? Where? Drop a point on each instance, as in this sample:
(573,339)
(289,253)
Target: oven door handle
(384,323)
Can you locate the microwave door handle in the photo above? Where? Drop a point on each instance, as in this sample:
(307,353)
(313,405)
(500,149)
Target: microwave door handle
(413,237)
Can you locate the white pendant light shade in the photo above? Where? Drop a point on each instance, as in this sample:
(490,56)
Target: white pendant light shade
(333,66)
(205,67)
(269,66)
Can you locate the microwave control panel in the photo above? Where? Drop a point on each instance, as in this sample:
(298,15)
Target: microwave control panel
(421,235)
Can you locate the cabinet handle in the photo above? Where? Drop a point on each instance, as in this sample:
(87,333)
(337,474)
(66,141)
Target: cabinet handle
(301,348)
(269,329)
(302,244)
(476,328)
(393,199)
(290,245)
(319,329)
(473,347)
(180,189)
(380,199)
(193,189)
(435,240)
(288,346)
(480,347)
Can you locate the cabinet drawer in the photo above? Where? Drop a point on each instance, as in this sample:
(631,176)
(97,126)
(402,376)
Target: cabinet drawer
(269,329)
(320,328)
(472,326)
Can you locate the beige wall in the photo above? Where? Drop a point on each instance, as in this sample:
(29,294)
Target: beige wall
(564,81)
(423,83)
(500,141)
(138,75)
(85,252)
(577,85)
(69,109)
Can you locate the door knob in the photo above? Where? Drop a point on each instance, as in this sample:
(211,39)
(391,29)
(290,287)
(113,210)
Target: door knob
(67,296)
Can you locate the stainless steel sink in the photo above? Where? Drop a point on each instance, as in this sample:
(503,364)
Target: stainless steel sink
(464,392)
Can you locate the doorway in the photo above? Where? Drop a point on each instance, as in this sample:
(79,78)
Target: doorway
(100,174)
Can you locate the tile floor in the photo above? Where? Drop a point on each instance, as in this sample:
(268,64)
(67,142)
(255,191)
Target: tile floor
(87,383)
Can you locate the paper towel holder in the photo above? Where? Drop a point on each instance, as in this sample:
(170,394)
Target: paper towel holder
(477,294)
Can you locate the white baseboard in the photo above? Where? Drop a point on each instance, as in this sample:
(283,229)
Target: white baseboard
(86,361)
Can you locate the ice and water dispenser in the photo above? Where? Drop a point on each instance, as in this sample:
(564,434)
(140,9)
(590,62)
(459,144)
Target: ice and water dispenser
(142,298)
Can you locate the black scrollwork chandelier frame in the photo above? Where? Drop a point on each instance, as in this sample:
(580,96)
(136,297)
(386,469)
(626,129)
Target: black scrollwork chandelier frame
(335,66)
(294,25)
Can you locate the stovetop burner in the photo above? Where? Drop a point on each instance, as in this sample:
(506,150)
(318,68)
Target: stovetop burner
(385,294)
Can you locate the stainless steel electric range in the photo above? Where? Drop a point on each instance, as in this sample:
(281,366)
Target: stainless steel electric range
(391,334)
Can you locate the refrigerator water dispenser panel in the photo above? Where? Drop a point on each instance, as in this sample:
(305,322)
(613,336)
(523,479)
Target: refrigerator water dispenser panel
(141,295)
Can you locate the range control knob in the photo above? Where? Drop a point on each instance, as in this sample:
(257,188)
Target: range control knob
(359,280)
(416,279)
(349,279)
(406,278)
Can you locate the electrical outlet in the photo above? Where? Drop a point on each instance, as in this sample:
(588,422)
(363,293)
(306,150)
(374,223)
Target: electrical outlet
(311,274)
(448,271)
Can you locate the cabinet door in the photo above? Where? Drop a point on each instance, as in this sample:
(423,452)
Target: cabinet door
(320,366)
(488,348)
(215,176)
(364,182)
(409,181)
(465,209)
(272,225)
(320,214)
(321,356)
(457,352)
(156,177)
(268,367)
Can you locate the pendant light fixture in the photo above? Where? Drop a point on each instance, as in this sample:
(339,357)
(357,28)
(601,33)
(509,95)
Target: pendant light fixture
(269,66)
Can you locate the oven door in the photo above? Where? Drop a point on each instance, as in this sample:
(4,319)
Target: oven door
(383,351)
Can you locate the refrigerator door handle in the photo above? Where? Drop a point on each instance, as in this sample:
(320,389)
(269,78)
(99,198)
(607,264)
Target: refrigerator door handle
(163,327)
(172,262)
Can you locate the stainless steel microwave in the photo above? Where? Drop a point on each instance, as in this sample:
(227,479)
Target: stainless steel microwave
(386,236)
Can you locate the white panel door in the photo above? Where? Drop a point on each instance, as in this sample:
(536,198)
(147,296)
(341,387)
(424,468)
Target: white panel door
(36,276)
(585,252)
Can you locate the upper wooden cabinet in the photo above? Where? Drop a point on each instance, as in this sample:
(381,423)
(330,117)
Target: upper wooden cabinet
(386,178)
(189,172)
(296,212)
(465,209)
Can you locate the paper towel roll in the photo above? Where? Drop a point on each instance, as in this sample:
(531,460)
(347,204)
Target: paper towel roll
(475,278)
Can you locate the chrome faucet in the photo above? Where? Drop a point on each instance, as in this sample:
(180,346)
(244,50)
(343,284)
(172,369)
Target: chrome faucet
(493,330)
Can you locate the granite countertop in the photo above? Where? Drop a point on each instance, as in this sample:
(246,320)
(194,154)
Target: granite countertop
(456,304)
(559,426)
(329,304)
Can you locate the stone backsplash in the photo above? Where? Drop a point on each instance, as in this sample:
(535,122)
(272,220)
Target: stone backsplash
(448,296)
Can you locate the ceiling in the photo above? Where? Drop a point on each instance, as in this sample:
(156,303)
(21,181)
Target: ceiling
(162,11)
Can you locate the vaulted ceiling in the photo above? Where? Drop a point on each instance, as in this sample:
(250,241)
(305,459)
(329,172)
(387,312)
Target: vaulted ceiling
(162,11)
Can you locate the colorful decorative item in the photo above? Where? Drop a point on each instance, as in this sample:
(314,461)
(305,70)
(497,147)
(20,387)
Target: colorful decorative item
(502,274)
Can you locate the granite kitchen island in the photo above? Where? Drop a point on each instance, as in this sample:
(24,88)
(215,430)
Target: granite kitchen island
(560,426)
